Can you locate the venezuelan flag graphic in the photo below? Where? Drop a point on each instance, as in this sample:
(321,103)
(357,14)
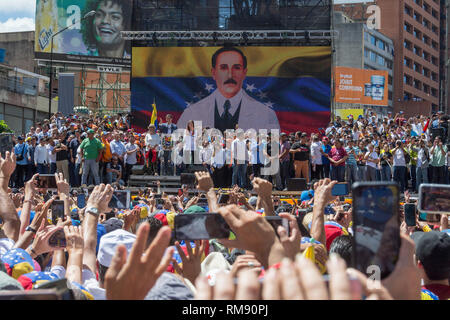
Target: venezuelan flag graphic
(294,82)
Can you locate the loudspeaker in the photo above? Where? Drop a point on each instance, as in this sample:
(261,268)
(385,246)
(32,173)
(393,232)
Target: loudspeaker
(196,167)
(438,132)
(297,184)
(138,169)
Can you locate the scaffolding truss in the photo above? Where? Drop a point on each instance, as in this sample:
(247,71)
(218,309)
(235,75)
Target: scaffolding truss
(220,35)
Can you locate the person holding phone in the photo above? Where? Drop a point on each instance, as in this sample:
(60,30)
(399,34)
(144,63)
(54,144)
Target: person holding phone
(399,164)
(439,153)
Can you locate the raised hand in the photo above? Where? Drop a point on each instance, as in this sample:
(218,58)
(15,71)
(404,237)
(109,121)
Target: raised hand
(191,267)
(291,243)
(8,164)
(62,184)
(132,278)
(205,183)
(100,198)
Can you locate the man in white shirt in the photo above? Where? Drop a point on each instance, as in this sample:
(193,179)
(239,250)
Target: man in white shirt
(240,155)
(51,155)
(229,105)
(206,153)
(130,158)
(118,148)
(372,161)
(316,158)
(41,157)
(398,154)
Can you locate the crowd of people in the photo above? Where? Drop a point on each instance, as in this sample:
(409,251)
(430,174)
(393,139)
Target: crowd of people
(104,252)
(370,148)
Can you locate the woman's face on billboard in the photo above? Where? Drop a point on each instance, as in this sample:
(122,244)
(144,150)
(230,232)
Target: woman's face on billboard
(108,23)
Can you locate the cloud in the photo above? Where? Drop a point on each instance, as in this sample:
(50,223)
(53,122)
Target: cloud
(28,7)
(18,24)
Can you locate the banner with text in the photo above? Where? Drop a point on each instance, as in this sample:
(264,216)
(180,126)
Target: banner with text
(360,86)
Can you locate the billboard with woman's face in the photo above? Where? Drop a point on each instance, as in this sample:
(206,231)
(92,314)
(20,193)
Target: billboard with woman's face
(90,38)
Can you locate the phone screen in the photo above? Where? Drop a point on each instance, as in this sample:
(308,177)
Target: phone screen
(340,189)
(276,221)
(120,199)
(376,226)
(81,200)
(57,210)
(410,214)
(58,239)
(434,198)
(46,181)
(199,226)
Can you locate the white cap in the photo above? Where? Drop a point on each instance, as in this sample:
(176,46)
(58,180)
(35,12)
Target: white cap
(109,242)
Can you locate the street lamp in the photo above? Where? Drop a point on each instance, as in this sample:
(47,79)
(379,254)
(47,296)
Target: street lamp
(87,15)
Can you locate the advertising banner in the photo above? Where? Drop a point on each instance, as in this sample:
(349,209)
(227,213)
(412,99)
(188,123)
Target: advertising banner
(285,88)
(92,37)
(360,86)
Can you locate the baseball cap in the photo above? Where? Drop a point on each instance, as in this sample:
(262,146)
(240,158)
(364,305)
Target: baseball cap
(193,209)
(109,243)
(112,224)
(90,131)
(433,250)
(19,138)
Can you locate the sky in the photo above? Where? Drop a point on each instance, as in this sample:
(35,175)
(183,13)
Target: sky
(17,15)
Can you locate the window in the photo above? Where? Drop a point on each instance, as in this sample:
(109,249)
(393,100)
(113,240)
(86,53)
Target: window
(373,40)
(417,34)
(14,111)
(434,61)
(434,76)
(380,60)
(366,53)
(373,56)
(408,10)
(390,79)
(407,96)
(434,29)
(417,84)
(426,88)
(366,36)
(417,67)
(434,92)
(426,23)
(426,55)
(435,45)
(426,7)
(417,17)
(407,27)
(381,44)
(434,13)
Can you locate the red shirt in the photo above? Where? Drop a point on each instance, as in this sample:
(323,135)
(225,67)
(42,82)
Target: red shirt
(441,290)
(337,154)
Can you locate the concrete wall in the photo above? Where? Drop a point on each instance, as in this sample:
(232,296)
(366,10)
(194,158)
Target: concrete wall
(19,48)
(349,48)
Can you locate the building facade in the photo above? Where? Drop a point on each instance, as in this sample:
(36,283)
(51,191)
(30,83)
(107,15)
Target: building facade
(357,46)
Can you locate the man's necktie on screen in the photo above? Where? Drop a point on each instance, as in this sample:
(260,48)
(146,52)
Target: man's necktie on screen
(226,120)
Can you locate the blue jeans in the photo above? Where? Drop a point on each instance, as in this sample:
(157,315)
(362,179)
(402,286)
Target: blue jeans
(338,173)
(238,176)
(52,167)
(352,174)
(42,168)
(385,173)
(421,176)
(76,174)
(90,166)
(399,176)
(362,173)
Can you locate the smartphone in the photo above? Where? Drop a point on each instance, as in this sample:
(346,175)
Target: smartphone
(58,239)
(188,179)
(200,226)
(376,227)
(223,198)
(340,189)
(81,200)
(44,294)
(410,214)
(46,181)
(57,210)
(434,198)
(276,221)
(120,199)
